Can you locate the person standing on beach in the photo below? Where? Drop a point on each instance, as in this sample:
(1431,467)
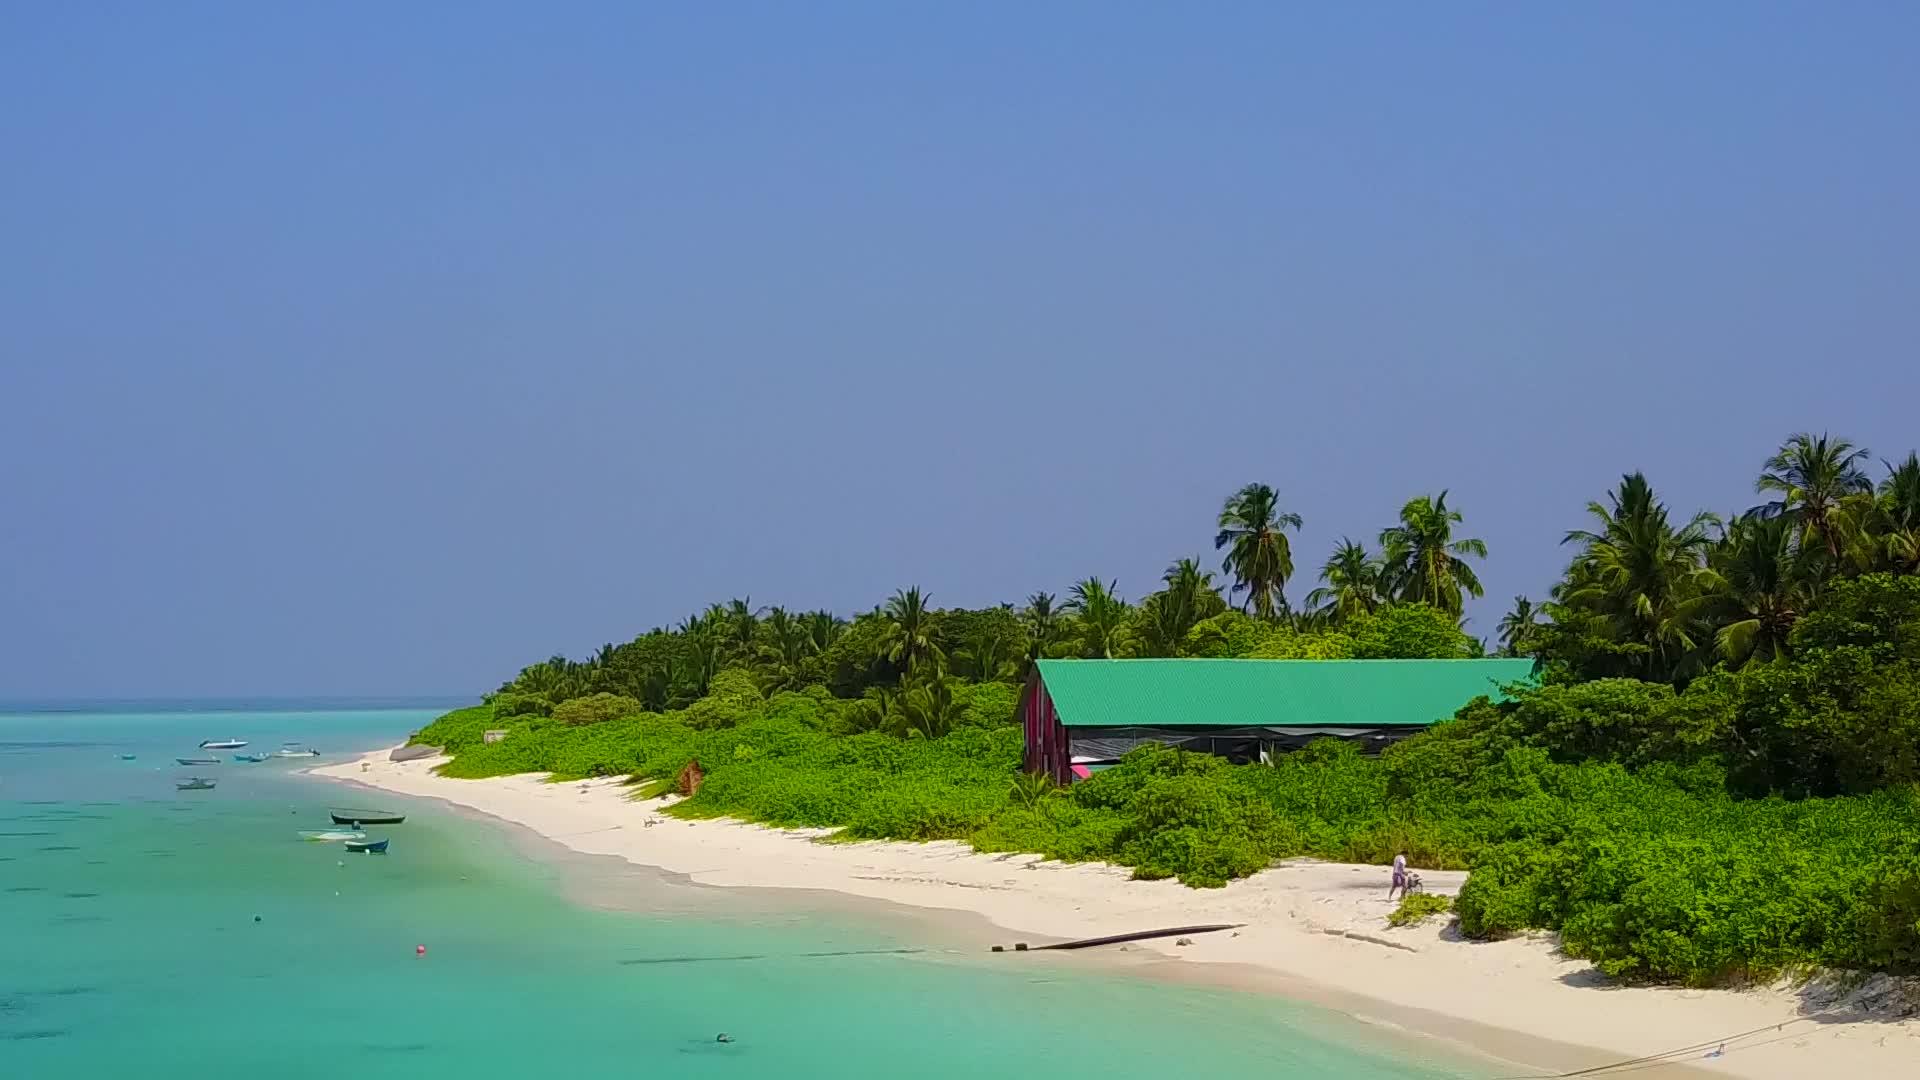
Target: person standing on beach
(1399,877)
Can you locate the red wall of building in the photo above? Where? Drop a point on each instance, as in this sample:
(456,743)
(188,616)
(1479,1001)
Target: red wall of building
(1046,736)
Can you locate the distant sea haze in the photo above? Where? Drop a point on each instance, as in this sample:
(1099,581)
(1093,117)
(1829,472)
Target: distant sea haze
(232,704)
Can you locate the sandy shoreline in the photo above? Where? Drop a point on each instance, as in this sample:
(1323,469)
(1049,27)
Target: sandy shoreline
(1316,930)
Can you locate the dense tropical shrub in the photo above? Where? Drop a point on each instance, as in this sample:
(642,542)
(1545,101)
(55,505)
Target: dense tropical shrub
(509,704)
(1409,632)
(594,709)
(458,730)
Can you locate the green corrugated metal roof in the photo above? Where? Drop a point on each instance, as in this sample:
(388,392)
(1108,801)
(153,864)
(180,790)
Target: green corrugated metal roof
(1249,693)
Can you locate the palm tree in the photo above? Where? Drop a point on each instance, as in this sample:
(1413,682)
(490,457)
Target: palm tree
(1101,617)
(656,688)
(872,712)
(543,679)
(1756,581)
(1352,583)
(1518,627)
(1258,554)
(1041,619)
(909,638)
(823,629)
(1166,616)
(742,622)
(1813,476)
(987,655)
(1032,790)
(788,637)
(704,656)
(1421,561)
(1899,514)
(1639,577)
(926,709)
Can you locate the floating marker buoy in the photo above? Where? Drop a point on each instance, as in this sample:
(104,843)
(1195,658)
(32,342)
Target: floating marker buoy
(256,918)
(419,950)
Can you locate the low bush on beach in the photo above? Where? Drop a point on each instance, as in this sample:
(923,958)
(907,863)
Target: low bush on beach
(1416,908)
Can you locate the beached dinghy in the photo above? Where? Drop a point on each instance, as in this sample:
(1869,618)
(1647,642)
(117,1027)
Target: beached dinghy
(365,817)
(372,847)
(198,760)
(333,835)
(198,783)
(222,744)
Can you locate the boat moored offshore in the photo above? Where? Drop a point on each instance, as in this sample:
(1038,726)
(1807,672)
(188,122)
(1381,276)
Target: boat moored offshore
(350,816)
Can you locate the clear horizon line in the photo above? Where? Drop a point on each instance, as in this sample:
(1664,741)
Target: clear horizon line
(76,703)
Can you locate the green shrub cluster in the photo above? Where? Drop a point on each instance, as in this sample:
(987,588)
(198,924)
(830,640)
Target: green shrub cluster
(1416,908)
(1406,631)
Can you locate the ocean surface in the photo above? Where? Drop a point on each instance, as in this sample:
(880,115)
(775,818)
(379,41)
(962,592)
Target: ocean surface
(154,933)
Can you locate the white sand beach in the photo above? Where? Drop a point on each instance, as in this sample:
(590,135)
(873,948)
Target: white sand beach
(1316,929)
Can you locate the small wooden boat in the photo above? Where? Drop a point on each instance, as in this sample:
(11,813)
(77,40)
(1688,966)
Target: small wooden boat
(198,760)
(198,783)
(373,847)
(252,758)
(365,817)
(333,835)
(222,744)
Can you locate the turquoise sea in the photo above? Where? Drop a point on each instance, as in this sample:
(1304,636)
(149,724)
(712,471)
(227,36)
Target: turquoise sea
(153,933)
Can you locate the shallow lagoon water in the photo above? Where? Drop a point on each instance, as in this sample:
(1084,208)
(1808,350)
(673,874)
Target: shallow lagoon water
(132,947)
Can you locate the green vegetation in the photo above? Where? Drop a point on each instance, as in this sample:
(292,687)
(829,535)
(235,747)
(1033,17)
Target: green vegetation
(1717,778)
(1416,908)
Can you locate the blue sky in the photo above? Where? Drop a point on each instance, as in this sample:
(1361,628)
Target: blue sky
(368,349)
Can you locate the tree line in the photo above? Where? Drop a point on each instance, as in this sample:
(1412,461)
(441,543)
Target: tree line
(905,657)
(1652,597)
(1644,596)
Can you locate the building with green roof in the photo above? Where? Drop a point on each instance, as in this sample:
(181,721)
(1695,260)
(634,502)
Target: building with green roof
(1082,715)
